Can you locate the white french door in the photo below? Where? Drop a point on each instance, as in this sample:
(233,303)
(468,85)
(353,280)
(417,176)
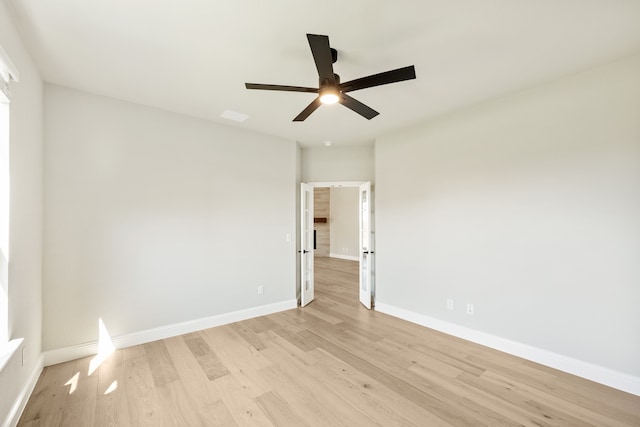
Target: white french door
(306,244)
(366,245)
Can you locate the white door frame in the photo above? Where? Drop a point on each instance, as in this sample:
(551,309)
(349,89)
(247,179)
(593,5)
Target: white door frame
(355,184)
(307,292)
(366,251)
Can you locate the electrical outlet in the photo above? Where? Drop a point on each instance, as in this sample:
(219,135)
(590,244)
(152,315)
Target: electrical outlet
(260,290)
(470,309)
(449,304)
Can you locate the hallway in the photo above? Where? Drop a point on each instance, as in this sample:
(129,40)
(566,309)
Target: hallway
(336,280)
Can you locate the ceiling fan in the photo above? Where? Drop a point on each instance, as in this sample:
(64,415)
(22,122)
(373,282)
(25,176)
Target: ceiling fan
(330,90)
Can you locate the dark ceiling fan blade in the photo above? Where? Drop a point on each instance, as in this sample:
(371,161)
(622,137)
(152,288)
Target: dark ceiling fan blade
(307,111)
(357,106)
(393,76)
(322,56)
(280,87)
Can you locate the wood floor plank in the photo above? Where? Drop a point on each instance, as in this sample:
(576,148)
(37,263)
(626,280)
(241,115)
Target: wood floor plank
(515,413)
(50,420)
(133,352)
(112,410)
(143,405)
(260,324)
(282,351)
(207,359)
(191,373)
(570,410)
(243,329)
(323,315)
(220,416)
(332,363)
(111,369)
(605,400)
(314,407)
(240,358)
(554,414)
(178,408)
(79,409)
(279,411)
(437,356)
(160,362)
(291,333)
(243,408)
(370,396)
(111,404)
(232,350)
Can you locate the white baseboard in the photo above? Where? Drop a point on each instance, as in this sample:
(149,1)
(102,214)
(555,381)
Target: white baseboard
(347,257)
(66,354)
(599,374)
(21,402)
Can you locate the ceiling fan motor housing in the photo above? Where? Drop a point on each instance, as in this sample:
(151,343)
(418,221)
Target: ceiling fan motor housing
(326,82)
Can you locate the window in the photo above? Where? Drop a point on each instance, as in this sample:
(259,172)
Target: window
(8,73)
(4,215)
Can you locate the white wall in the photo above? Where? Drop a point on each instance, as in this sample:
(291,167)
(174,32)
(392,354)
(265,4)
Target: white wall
(528,207)
(324,164)
(345,222)
(25,229)
(153,218)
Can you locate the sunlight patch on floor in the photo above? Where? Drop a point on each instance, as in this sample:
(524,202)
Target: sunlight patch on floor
(112,387)
(73,382)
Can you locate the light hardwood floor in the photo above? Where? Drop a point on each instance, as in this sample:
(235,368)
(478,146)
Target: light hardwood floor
(332,363)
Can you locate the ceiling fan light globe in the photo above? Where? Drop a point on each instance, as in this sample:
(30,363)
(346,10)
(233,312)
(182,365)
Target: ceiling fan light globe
(329,98)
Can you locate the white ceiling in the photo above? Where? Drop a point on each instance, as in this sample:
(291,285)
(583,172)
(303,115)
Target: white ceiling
(194,56)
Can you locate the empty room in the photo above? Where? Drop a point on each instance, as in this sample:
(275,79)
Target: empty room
(296,213)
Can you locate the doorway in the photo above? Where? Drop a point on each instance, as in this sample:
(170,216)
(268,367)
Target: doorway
(336,224)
